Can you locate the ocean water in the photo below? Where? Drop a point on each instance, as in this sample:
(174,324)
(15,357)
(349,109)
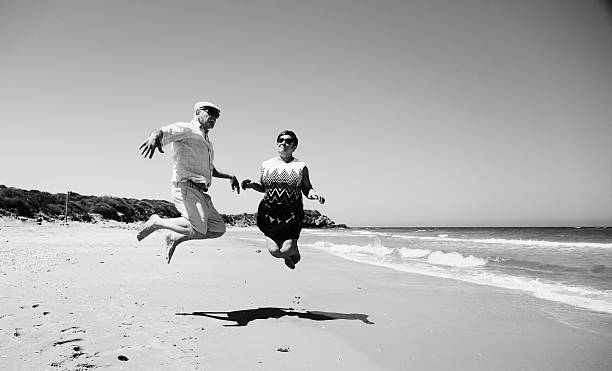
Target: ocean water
(566,265)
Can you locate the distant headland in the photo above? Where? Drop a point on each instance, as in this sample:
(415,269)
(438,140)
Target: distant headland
(40,205)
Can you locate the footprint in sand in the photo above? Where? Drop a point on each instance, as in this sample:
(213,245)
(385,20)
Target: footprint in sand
(73,329)
(60,342)
(75,352)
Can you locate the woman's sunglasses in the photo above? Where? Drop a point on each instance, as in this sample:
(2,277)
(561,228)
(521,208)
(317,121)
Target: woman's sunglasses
(286,140)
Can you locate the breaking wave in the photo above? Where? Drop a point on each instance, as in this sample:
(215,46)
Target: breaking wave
(469,268)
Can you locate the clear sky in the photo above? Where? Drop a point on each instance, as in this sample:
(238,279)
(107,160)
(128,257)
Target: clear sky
(409,113)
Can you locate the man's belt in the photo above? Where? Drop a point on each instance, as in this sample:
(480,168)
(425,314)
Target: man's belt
(199,186)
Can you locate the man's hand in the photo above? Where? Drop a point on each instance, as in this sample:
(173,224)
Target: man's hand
(152,142)
(235,184)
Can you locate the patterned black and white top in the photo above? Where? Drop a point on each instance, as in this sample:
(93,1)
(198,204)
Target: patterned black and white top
(282,182)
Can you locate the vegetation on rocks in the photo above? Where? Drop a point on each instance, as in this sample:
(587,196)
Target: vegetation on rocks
(39,204)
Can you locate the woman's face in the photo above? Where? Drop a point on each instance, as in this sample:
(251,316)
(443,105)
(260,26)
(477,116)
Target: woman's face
(285,145)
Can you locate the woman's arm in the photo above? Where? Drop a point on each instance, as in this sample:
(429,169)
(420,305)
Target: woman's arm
(247,183)
(307,189)
(257,186)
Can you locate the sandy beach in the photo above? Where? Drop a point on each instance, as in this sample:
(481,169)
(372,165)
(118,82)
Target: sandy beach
(88,296)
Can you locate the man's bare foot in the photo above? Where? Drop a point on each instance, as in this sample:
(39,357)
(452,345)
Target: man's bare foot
(170,247)
(289,263)
(149,227)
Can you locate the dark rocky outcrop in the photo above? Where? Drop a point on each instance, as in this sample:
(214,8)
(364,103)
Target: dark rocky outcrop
(312,219)
(46,206)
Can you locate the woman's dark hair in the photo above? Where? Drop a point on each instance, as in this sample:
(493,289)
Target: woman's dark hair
(289,133)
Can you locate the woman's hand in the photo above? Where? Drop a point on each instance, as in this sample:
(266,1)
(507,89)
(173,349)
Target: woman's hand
(249,184)
(246,184)
(313,195)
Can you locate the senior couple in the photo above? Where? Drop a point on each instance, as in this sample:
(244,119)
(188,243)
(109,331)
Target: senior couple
(283,179)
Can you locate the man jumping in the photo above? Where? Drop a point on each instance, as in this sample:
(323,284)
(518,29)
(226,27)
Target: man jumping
(192,173)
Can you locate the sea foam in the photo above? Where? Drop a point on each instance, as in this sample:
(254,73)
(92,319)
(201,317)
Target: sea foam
(455,259)
(497,241)
(468,269)
(414,253)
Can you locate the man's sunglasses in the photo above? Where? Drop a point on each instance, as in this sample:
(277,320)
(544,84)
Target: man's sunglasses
(211,112)
(286,140)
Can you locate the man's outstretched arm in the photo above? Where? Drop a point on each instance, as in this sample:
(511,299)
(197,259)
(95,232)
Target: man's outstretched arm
(234,181)
(151,143)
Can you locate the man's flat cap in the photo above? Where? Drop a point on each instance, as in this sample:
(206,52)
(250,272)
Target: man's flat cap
(201,105)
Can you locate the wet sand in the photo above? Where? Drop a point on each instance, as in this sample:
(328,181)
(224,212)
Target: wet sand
(90,296)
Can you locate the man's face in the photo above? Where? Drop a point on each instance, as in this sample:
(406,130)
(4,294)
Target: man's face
(206,120)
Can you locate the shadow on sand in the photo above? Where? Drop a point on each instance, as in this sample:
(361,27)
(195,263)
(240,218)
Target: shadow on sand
(244,316)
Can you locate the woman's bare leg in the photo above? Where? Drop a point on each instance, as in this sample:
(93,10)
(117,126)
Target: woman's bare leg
(290,250)
(275,251)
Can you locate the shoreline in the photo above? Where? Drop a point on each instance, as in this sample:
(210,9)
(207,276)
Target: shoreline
(94,294)
(335,227)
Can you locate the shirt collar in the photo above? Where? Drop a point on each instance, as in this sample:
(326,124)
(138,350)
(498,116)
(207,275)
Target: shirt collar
(199,126)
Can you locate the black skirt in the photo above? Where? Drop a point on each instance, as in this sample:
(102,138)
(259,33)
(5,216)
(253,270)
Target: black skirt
(279,222)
